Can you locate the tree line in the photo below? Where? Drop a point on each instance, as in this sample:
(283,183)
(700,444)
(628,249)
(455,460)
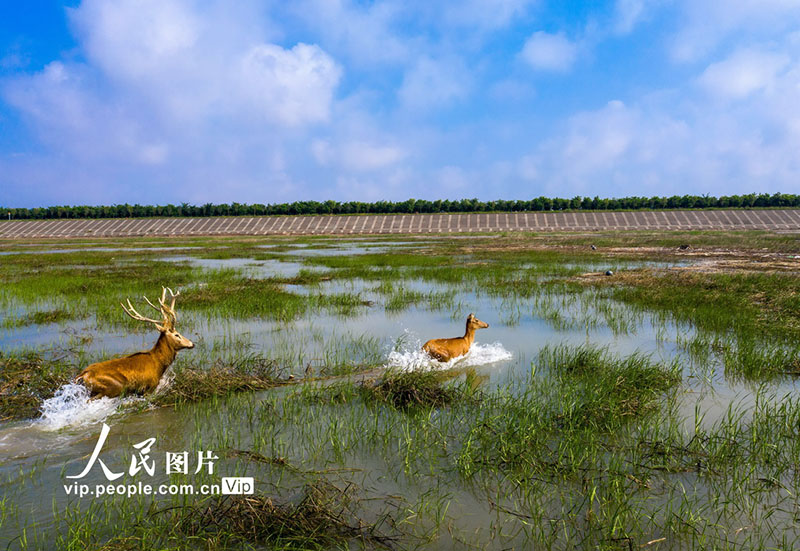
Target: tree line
(409,206)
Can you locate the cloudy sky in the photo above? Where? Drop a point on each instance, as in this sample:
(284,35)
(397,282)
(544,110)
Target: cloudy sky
(169,101)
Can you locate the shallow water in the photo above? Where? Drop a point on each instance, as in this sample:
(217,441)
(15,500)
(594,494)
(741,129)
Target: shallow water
(350,248)
(250,267)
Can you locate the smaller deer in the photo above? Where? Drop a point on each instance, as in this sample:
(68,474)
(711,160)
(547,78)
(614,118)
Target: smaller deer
(142,371)
(445,350)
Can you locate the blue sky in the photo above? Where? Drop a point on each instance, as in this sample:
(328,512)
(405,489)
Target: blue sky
(169,101)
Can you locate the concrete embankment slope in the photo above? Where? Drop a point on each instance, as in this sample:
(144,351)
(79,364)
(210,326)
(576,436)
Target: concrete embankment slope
(767,219)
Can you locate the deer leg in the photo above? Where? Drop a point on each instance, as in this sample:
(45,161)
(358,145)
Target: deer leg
(436,353)
(102,385)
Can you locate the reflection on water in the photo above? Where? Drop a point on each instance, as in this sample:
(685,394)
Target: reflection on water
(249,267)
(351,248)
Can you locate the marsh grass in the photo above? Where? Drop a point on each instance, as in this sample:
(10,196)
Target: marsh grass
(742,303)
(305,277)
(42,317)
(399,297)
(602,391)
(226,293)
(697,239)
(79,289)
(409,389)
(403,390)
(26,380)
(325,516)
(320,516)
(196,384)
(555,424)
(751,359)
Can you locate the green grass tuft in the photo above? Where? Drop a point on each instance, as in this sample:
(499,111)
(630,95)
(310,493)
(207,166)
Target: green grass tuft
(26,380)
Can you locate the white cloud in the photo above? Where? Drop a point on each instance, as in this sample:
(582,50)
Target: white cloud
(365,33)
(432,83)
(528,168)
(360,156)
(357,156)
(166,84)
(193,64)
(617,148)
(396,185)
(629,13)
(64,106)
(213,100)
(551,52)
(705,24)
(743,73)
(292,87)
(486,14)
(134,39)
(691,143)
(512,90)
(322,151)
(453,179)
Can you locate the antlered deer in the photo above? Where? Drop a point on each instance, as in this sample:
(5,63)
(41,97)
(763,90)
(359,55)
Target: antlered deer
(445,350)
(142,371)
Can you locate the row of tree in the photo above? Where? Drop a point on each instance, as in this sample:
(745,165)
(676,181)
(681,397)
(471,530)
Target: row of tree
(409,206)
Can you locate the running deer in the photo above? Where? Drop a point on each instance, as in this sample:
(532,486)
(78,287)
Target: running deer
(142,371)
(445,350)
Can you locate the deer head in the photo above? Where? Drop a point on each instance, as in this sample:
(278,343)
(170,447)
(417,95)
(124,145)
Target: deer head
(166,326)
(474,323)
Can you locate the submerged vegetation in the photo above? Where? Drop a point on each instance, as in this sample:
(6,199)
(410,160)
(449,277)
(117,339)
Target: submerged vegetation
(653,408)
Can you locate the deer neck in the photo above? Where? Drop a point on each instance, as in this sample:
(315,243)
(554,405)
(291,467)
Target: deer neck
(469,335)
(163,353)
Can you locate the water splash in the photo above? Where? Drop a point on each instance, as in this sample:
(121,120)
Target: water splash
(411,357)
(165,382)
(71,407)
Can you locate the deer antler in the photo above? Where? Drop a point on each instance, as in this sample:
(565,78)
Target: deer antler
(131,311)
(160,301)
(168,312)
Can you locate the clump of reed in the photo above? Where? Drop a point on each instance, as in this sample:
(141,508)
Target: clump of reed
(605,390)
(408,389)
(26,380)
(555,426)
(325,516)
(248,373)
(41,317)
(403,390)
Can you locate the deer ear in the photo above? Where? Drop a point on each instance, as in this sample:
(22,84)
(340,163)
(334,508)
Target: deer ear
(471,316)
(161,328)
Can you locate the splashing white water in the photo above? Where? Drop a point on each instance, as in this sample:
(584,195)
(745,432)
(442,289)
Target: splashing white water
(413,358)
(71,407)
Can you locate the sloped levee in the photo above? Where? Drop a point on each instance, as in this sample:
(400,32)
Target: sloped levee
(767,219)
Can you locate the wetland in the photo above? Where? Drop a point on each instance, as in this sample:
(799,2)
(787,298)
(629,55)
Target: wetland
(653,408)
